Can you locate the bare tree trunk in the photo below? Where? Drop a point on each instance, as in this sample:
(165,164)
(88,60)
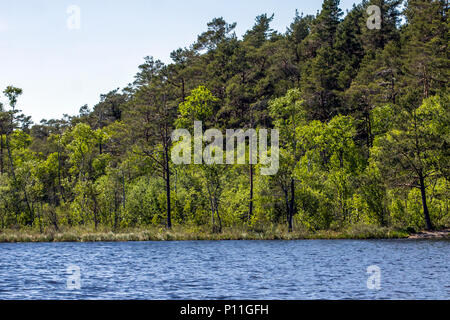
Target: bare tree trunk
(292,205)
(167,178)
(250,211)
(213,211)
(183,94)
(54,219)
(2,170)
(424,203)
(286,198)
(212,216)
(216,205)
(60,187)
(95,212)
(123,197)
(116,205)
(123,189)
(40,217)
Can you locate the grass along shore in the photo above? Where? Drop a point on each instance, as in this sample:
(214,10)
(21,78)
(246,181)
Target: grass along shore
(180,233)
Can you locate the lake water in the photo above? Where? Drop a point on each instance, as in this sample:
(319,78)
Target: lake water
(316,269)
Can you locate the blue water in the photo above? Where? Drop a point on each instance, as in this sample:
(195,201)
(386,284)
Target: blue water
(317,269)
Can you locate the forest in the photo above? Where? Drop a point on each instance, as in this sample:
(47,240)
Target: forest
(362,113)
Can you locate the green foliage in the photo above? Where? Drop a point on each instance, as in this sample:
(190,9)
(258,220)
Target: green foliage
(197,106)
(363,117)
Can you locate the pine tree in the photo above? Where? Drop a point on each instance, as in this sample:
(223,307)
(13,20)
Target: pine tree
(376,39)
(320,74)
(426,53)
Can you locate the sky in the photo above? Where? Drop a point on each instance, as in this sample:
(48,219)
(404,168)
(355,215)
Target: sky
(62,65)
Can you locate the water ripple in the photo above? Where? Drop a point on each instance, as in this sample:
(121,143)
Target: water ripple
(227,270)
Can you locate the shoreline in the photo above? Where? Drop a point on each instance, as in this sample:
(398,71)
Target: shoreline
(142,235)
(438,234)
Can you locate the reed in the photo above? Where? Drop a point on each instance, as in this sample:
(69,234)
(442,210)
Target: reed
(185,233)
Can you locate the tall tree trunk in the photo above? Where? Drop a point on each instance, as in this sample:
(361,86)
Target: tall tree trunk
(250,156)
(286,198)
(40,216)
(61,192)
(95,212)
(116,209)
(123,189)
(424,203)
(216,205)
(213,210)
(250,210)
(167,178)
(212,218)
(183,93)
(54,218)
(1,154)
(292,205)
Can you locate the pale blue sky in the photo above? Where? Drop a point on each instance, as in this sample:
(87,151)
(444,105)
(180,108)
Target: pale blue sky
(60,69)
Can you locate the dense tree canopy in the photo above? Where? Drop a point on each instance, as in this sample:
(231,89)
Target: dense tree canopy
(363,116)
